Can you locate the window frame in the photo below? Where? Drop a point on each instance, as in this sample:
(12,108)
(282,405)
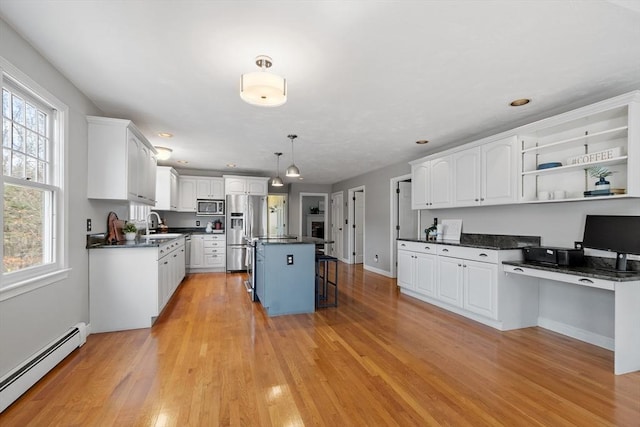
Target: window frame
(28,279)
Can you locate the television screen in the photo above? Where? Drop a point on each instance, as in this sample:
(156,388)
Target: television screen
(612,233)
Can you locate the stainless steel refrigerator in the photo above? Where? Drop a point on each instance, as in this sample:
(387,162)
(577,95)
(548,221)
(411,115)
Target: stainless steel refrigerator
(246,220)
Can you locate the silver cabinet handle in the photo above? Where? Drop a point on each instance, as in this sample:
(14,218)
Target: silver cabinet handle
(403,245)
(445,250)
(518,269)
(483,254)
(459,265)
(586,281)
(427,248)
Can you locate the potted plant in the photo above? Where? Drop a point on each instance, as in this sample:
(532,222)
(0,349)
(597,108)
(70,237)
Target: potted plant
(602,173)
(129,230)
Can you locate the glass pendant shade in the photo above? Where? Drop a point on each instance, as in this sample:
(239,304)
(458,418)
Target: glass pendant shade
(262,88)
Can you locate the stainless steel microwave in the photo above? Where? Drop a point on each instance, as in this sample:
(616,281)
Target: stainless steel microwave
(209,207)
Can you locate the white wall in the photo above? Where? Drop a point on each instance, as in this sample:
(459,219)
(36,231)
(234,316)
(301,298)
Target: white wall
(294,202)
(30,321)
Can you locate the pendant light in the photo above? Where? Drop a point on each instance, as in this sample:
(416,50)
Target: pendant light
(277,181)
(262,88)
(292,171)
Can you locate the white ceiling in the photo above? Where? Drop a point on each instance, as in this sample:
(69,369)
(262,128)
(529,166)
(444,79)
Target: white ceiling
(366,79)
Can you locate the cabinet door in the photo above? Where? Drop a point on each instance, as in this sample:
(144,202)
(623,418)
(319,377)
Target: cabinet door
(440,182)
(187,195)
(425,273)
(256,187)
(132,166)
(203,188)
(197,252)
(405,270)
(466,177)
(141,171)
(163,281)
(420,186)
(163,188)
(499,172)
(217,188)
(150,177)
(173,191)
(449,283)
(234,186)
(481,288)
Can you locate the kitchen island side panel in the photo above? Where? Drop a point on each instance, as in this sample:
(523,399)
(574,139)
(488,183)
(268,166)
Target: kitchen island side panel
(289,288)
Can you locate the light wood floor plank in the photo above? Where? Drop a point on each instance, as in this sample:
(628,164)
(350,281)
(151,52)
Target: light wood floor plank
(214,358)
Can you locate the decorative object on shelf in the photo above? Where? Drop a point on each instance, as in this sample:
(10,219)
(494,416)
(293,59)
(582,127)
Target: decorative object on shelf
(451,229)
(600,172)
(262,88)
(292,171)
(277,181)
(129,230)
(164,153)
(432,232)
(314,210)
(598,156)
(549,165)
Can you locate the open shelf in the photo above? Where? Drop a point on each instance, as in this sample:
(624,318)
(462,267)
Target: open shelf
(568,168)
(577,199)
(594,138)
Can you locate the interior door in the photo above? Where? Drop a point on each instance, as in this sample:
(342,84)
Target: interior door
(407,217)
(358,227)
(337,224)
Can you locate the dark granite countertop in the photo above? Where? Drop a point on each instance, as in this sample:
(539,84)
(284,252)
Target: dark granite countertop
(97,241)
(594,267)
(192,230)
(292,239)
(487,241)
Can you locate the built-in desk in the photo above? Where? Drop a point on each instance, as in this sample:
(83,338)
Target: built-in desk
(626,288)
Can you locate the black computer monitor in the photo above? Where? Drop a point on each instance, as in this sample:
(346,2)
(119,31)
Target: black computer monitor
(613,233)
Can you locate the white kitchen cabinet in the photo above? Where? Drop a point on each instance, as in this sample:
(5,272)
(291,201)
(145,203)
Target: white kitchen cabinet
(449,282)
(209,188)
(431,183)
(486,174)
(123,162)
(208,252)
(480,288)
(605,134)
(166,189)
(416,267)
(255,186)
(186,194)
(129,287)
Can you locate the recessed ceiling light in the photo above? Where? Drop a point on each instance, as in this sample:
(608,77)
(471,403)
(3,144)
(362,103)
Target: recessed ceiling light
(165,135)
(520,102)
(231,165)
(421,141)
(300,178)
(182,162)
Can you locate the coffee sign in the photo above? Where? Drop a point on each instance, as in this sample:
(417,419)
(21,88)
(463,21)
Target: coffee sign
(598,156)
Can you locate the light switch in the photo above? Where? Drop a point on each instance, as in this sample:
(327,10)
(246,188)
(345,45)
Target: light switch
(289,259)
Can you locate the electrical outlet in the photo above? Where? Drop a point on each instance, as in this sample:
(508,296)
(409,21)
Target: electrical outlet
(375,258)
(88,224)
(289,259)
(197,223)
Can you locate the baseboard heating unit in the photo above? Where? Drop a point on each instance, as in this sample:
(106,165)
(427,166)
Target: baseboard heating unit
(16,382)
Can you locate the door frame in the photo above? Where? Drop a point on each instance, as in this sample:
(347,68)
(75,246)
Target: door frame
(326,213)
(339,222)
(393,184)
(351,207)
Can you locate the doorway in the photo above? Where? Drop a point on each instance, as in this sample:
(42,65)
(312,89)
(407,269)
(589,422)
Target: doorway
(313,215)
(356,225)
(337,225)
(277,210)
(405,222)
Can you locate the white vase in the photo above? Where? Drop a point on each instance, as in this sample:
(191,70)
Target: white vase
(130,236)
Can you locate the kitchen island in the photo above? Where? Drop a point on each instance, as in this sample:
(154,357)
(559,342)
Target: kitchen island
(285,275)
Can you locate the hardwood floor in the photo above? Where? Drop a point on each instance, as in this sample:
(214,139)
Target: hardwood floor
(379,358)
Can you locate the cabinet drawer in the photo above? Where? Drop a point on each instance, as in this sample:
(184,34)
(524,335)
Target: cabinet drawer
(422,247)
(210,251)
(213,244)
(214,237)
(216,260)
(474,254)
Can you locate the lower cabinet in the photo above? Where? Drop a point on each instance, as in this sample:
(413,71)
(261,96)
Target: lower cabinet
(468,281)
(129,287)
(208,252)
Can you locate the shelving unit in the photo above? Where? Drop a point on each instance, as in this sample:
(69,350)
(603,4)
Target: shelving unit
(601,127)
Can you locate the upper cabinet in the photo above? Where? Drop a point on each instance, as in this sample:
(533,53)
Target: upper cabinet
(431,183)
(167,189)
(209,188)
(255,186)
(546,161)
(487,174)
(557,153)
(122,162)
(187,193)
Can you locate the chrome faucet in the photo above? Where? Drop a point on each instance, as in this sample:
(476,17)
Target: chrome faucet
(149,222)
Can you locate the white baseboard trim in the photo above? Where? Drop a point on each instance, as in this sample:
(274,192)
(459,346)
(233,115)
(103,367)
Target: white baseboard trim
(577,333)
(377,270)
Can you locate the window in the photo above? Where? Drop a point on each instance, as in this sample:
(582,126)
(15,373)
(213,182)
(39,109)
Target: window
(32,178)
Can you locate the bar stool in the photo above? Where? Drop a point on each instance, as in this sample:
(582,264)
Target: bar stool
(323,281)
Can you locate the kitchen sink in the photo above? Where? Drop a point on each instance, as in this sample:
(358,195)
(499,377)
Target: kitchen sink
(162,236)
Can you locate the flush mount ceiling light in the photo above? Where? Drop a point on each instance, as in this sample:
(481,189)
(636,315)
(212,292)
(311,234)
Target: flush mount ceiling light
(231,165)
(277,181)
(262,88)
(292,171)
(519,102)
(163,153)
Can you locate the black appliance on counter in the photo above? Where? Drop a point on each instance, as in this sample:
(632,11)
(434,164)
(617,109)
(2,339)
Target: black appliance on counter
(554,256)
